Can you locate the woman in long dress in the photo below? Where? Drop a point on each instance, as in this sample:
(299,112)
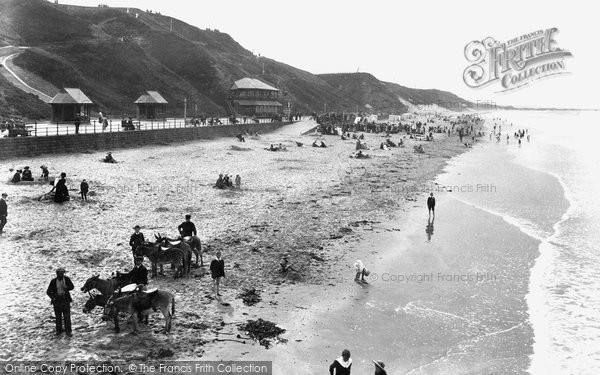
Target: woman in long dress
(61,192)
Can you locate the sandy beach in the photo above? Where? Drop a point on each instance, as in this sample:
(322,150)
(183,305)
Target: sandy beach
(311,204)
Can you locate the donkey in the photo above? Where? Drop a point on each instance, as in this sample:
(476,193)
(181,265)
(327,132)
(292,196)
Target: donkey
(95,300)
(106,287)
(193,242)
(143,303)
(167,243)
(160,256)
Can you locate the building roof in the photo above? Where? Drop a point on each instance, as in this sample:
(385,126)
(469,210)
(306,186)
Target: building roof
(251,83)
(151,97)
(71,96)
(259,102)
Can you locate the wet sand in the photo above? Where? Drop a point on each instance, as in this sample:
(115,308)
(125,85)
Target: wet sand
(312,204)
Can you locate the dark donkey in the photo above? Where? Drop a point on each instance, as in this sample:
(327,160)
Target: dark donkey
(141,302)
(106,287)
(166,243)
(193,242)
(160,256)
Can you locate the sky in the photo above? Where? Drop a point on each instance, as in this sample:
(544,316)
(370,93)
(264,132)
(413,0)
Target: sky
(416,44)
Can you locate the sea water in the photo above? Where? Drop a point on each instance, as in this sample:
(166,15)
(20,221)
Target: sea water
(548,187)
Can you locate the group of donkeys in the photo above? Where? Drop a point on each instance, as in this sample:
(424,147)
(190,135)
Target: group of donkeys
(118,295)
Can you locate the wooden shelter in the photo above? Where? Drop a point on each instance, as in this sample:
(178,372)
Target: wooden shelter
(70,104)
(151,105)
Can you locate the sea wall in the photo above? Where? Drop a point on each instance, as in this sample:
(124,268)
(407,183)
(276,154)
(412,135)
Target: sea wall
(33,146)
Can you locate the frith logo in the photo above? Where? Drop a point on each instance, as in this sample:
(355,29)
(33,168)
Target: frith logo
(515,63)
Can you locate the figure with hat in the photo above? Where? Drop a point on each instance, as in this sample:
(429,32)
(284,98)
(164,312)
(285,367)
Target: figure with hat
(139,273)
(3,212)
(342,365)
(109,158)
(61,192)
(27,176)
(137,239)
(188,229)
(16,177)
(379,368)
(58,291)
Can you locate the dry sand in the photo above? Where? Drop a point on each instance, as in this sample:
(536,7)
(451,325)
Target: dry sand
(308,203)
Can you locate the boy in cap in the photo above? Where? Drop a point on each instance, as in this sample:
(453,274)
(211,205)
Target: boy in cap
(3,212)
(58,291)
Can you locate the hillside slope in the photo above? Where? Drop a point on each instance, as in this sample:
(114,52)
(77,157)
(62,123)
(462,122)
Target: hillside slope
(390,97)
(116,54)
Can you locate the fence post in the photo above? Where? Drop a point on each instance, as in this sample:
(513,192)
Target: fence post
(110,126)
(56,128)
(46,131)
(35,129)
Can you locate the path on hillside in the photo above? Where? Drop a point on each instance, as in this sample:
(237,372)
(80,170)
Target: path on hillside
(8,53)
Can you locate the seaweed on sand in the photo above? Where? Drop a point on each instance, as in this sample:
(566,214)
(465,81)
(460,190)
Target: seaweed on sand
(263,331)
(250,297)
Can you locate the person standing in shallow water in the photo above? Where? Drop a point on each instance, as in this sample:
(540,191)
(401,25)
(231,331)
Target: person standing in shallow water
(217,271)
(431,205)
(342,365)
(58,291)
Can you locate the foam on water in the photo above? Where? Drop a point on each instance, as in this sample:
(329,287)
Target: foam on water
(563,290)
(558,165)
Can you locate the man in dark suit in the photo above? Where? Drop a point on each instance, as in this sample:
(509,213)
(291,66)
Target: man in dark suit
(431,205)
(58,291)
(3,212)
(137,239)
(139,273)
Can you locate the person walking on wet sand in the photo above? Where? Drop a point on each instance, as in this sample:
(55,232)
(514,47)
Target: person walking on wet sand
(217,271)
(3,212)
(58,291)
(431,205)
(342,365)
(84,188)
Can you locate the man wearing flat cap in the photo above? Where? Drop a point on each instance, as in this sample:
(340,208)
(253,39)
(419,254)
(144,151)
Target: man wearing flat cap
(137,239)
(58,291)
(3,212)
